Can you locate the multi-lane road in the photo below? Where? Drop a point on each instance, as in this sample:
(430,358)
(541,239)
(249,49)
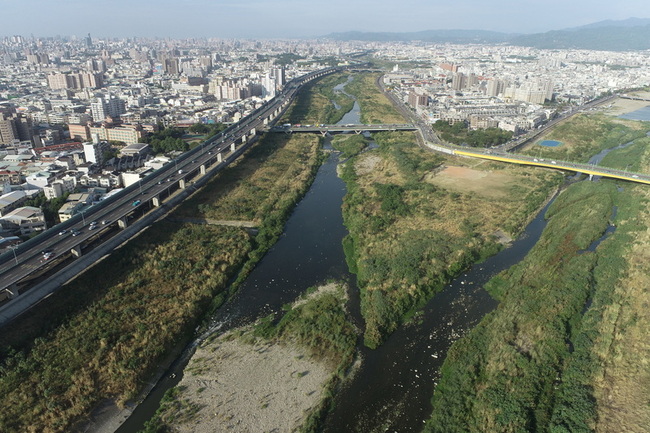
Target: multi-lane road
(17,267)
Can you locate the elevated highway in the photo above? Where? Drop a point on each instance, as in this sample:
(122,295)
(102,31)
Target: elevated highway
(25,264)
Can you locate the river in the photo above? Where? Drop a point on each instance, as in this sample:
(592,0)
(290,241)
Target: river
(392,389)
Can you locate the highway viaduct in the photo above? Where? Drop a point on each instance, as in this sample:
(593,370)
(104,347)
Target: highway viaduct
(123,215)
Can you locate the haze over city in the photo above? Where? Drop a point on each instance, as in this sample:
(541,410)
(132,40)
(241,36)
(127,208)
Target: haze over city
(301,18)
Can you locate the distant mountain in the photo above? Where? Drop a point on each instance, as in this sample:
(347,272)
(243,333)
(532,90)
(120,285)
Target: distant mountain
(441,36)
(630,22)
(608,38)
(609,35)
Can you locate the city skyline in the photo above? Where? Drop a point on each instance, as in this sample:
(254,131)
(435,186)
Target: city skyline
(300,18)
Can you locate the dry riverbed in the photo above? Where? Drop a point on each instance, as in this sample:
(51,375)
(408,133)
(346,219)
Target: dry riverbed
(237,386)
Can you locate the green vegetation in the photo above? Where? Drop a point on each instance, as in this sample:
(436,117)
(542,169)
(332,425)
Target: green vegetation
(585,135)
(207,130)
(349,145)
(175,139)
(113,325)
(375,107)
(319,324)
(264,188)
(167,140)
(315,105)
(459,133)
(629,158)
(502,376)
(409,236)
(565,349)
(50,208)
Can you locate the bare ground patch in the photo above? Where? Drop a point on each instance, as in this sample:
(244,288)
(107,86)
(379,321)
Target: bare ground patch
(234,386)
(489,184)
(623,106)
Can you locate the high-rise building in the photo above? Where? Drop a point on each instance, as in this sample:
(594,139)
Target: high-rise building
(279,74)
(269,84)
(171,66)
(99,110)
(94,151)
(495,87)
(416,100)
(449,67)
(103,107)
(8,131)
(459,81)
(75,81)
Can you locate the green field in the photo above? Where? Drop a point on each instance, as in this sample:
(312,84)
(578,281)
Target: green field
(564,351)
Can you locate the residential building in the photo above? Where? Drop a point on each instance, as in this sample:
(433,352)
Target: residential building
(24,220)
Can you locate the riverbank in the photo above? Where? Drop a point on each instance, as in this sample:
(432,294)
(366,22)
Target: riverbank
(416,219)
(237,386)
(622,106)
(563,351)
(269,376)
(585,135)
(116,323)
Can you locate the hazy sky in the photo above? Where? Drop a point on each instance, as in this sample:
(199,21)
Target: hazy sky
(300,18)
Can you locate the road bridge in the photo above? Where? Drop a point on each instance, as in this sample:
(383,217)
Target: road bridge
(338,129)
(634,98)
(590,169)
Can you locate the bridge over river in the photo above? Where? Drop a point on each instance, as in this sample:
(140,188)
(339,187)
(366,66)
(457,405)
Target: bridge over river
(338,129)
(494,155)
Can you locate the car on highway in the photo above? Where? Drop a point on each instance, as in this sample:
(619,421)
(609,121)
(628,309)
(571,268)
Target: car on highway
(135,203)
(62,232)
(76,232)
(106,222)
(48,255)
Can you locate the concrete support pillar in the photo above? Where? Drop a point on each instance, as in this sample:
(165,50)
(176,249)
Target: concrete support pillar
(202,168)
(233,147)
(156,201)
(122,223)
(219,157)
(253,132)
(266,121)
(76,251)
(181,183)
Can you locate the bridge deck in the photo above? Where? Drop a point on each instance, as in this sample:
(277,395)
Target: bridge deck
(560,165)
